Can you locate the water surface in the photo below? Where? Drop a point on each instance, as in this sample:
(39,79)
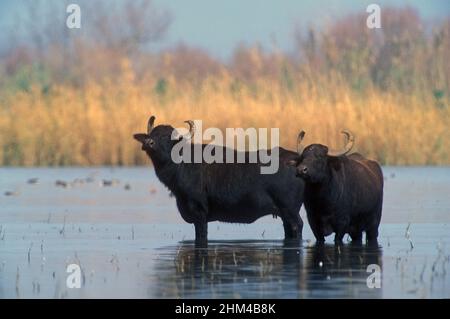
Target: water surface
(131,242)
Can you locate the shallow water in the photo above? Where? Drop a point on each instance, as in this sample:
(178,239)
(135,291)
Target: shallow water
(131,243)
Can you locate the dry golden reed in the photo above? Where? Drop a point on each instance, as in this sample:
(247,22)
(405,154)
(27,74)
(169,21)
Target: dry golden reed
(77,100)
(94,125)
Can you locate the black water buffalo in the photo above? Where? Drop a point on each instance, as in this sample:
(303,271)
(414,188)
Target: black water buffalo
(226,192)
(343,193)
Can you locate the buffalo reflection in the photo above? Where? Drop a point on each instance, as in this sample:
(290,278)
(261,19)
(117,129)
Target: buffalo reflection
(265,269)
(340,271)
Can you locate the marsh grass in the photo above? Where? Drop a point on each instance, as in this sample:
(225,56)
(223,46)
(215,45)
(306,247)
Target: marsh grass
(94,125)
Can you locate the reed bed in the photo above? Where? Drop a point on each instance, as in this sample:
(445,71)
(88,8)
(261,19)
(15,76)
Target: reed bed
(93,125)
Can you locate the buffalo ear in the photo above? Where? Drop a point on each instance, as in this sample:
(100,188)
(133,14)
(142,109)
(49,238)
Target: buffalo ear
(141,137)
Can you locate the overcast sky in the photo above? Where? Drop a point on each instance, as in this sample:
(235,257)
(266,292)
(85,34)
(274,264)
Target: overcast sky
(219,26)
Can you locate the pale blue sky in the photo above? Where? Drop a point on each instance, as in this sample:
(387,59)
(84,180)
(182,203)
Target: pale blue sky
(218,26)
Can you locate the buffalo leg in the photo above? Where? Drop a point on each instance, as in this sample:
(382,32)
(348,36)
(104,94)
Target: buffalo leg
(340,233)
(318,234)
(201,233)
(293,226)
(372,235)
(341,227)
(372,229)
(338,237)
(356,236)
(297,227)
(320,239)
(287,230)
(317,229)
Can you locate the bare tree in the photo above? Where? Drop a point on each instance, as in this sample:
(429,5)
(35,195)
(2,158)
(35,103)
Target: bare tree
(128,26)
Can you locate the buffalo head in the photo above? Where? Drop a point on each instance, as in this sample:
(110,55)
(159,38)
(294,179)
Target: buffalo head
(312,165)
(159,140)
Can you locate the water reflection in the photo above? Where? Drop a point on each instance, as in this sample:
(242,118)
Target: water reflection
(264,269)
(340,271)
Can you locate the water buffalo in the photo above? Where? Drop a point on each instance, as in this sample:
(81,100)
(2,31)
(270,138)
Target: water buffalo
(343,193)
(234,193)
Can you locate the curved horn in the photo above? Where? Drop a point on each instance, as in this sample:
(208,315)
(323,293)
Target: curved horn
(151,122)
(300,137)
(348,146)
(191,129)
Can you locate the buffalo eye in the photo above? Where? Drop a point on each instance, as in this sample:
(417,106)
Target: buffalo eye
(292,163)
(150,142)
(302,169)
